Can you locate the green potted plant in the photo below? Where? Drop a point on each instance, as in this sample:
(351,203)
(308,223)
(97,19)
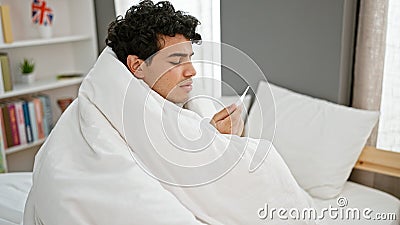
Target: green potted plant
(27,69)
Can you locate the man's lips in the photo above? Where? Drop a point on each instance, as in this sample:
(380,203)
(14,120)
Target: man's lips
(187,83)
(187,86)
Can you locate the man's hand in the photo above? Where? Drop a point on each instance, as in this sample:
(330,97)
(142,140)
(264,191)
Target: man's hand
(229,120)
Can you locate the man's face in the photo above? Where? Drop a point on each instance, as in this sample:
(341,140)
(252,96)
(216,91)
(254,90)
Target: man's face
(170,70)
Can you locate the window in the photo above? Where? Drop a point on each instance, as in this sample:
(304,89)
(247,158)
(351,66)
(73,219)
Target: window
(208,12)
(389,123)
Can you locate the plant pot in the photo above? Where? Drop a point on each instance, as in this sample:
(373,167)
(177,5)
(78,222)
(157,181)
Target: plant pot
(28,78)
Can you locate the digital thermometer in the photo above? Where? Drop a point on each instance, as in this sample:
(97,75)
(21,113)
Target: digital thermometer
(241,99)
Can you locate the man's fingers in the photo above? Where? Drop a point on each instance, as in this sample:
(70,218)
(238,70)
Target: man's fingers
(229,120)
(225,112)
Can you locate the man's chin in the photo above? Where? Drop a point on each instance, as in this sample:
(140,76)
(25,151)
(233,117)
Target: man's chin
(179,99)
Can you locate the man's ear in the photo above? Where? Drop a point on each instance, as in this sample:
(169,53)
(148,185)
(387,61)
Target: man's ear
(134,62)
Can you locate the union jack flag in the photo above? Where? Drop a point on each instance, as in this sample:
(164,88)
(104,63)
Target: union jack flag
(41,14)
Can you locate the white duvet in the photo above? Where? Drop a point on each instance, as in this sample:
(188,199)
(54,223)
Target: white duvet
(121,154)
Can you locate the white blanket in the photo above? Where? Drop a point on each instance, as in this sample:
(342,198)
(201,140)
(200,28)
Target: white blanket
(118,153)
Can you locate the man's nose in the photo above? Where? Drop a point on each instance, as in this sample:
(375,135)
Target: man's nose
(189,71)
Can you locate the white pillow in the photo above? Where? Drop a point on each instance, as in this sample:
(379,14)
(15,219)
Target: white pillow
(320,141)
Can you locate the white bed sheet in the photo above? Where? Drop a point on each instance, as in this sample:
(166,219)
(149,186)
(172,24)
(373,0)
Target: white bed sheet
(14,188)
(360,196)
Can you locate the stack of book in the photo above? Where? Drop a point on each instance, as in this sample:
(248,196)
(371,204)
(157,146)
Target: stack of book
(25,120)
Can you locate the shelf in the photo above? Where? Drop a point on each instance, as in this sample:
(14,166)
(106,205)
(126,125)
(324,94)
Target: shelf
(379,161)
(24,147)
(40,85)
(38,42)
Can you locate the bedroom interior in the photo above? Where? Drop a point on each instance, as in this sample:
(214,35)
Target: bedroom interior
(309,52)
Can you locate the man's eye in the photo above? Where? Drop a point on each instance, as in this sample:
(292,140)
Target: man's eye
(176,62)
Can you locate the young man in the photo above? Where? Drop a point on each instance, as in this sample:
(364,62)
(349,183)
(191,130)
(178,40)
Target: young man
(85,172)
(154,42)
(116,158)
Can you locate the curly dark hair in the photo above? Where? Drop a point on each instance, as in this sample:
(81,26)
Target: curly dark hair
(138,33)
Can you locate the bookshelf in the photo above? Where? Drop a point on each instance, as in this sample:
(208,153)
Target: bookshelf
(39,41)
(71,49)
(24,147)
(39,86)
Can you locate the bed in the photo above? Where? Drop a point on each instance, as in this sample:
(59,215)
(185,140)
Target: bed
(362,197)
(14,188)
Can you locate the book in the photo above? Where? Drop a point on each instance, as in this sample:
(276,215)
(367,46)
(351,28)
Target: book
(13,123)
(3,130)
(1,81)
(20,122)
(1,30)
(7,125)
(39,117)
(47,113)
(6,72)
(27,119)
(3,162)
(68,76)
(6,23)
(32,116)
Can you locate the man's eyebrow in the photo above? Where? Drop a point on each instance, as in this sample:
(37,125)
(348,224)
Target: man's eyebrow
(178,54)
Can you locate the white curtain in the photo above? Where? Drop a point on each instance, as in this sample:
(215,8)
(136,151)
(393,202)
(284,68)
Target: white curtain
(208,12)
(389,125)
